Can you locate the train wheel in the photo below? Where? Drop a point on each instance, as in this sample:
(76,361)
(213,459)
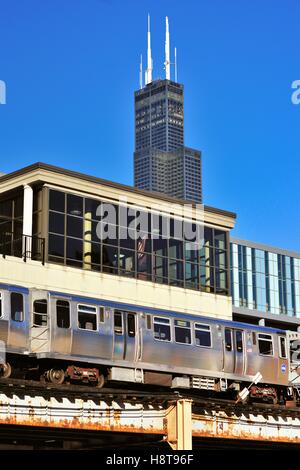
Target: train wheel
(100,381)
(56,376)
(5,370)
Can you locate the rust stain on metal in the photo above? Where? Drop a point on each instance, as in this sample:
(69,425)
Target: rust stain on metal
(75,423)
(229,430)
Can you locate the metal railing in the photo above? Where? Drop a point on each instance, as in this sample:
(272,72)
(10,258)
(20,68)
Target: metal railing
(22,246)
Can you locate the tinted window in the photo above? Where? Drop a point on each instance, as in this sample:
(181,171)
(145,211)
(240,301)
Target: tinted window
(101,315)
(57,201)
(282,350)
(87,317)
(56,223)
(131,325)
(182,332)
(265,344)
(118,323)
(74,205)
(228,339)
(40,312)
(162,330)
(63,314)
(239,341)
(202,335)
(16,305)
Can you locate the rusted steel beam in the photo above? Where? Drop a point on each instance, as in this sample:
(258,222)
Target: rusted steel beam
(174,419)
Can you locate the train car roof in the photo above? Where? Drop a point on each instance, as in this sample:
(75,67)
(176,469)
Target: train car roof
(172,314)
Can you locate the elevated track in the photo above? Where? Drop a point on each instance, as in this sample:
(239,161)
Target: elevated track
(92,417)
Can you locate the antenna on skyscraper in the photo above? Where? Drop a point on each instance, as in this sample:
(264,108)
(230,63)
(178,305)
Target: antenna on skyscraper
(175,63)
(148,74)
(167,50)
(141,72)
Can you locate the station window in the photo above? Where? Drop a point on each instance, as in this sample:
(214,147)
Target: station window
(228,339)
(282,347)
(265,345)
(63,314)
(87,317)
(162,329)
(182,331)
(202,335)
(16,305)
(40,312)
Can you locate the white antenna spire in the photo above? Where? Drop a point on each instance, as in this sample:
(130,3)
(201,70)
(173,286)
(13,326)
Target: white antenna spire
(175,63)
(167,51)
(141,72)
(149,58)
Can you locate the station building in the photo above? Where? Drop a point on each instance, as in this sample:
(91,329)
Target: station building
(49,240)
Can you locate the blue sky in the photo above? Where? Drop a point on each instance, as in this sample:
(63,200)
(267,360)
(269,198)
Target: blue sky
(71,67)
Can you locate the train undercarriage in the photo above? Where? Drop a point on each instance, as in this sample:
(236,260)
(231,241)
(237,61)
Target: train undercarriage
(59,372)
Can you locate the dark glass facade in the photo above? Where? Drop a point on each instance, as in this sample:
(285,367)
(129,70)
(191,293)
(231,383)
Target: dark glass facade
(73,240)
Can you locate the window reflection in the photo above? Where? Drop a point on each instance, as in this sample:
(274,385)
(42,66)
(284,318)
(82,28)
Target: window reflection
(77,237)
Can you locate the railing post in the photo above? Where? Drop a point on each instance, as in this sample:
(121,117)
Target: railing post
(25,247)
(43,251)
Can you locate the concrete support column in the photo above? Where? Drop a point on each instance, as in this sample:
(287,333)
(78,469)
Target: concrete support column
(179,425)
(27,220)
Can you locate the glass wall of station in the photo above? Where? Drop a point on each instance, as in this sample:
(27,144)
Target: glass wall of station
(73,240)
(11,222)
(265,281)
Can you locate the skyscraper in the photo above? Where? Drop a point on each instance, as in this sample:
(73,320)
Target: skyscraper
(161,161)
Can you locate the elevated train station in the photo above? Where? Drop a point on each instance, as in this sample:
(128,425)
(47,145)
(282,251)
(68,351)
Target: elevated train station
(50,248)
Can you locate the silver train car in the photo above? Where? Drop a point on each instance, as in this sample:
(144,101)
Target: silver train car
(60,337)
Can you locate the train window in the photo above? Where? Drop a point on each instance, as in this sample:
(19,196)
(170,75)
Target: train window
(149,322)
(254,338)
(282,347)
(228,339)
(118,323)
(40,312)
(87,317)
(131,325)
(162,329)
(63,314)
(16,306)
(101,316)
(0,304)
(265,344)
(182,331)
(239,341)
(202,335)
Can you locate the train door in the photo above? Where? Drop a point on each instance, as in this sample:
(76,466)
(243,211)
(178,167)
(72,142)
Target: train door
(18,324)
(239,366)
(39,322)
(125,336)
(234,351)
